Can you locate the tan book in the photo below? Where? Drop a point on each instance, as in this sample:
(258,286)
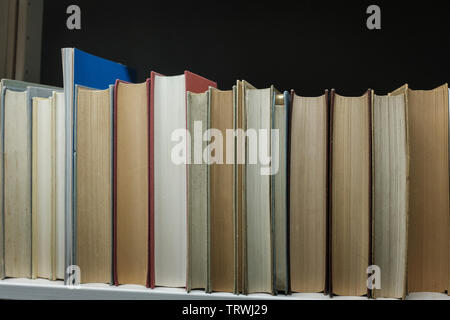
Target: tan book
(198,193)
(308,193)
(17,180)
(43,189)
(428,229)
(258,234)
(350,194)
(131,183)
(390,193)
(222,198)
(93,214)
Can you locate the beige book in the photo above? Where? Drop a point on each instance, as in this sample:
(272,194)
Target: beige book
(2,234)
(17,189)
(350,194)
(43,189)
(222,198)
(94,185)
(132,183)
(308,194)
(241,122)
(428,229)
(198,189)
(258,213)
(390,193)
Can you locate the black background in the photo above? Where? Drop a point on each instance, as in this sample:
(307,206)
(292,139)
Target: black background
(304,45)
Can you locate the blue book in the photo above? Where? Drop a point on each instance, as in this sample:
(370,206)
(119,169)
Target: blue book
(82,69)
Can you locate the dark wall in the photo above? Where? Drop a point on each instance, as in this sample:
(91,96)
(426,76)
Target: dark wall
(304,45)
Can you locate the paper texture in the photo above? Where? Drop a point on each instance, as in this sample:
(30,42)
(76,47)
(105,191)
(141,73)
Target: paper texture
(308,194)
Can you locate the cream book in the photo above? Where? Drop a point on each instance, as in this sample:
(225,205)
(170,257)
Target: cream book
(198,193)
(43,189)
(60,180)
(350,194)
(308,193)
(390,193)
(93,178)
(17,184)
(428,227)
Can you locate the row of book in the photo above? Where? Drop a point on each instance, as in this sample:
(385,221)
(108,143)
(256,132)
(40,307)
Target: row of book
(90,177)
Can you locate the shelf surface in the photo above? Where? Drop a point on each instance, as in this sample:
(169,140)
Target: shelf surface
(41,289)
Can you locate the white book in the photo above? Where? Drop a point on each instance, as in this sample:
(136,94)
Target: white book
(43,189)
(170,180)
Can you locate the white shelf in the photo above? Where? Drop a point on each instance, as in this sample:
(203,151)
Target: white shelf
(41,289)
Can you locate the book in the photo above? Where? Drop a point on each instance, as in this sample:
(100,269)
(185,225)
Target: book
(428,224)
(390,193)
(280,194)
(93,184)
(350,198)
(258,214)
(2,242)
(15,143)
(131,183)
(240,191)
(84,69)
(44,241)
(168,189)
(60,178)
(222,171)
(198,193)
(43,189)
(308,193)
(17,184)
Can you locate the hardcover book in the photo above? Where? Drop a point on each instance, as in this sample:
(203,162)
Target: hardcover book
(259,268)
(280,191)
(350,196)
(15,170)
(93,184)
(43,189)
(198,193)
(131,183)
(84,69)
(222,198)
(428,201)
(308,193)
(168,177)
(240,190)
(390,193)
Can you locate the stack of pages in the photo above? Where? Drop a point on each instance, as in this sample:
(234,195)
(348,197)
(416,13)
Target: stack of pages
(174,183)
